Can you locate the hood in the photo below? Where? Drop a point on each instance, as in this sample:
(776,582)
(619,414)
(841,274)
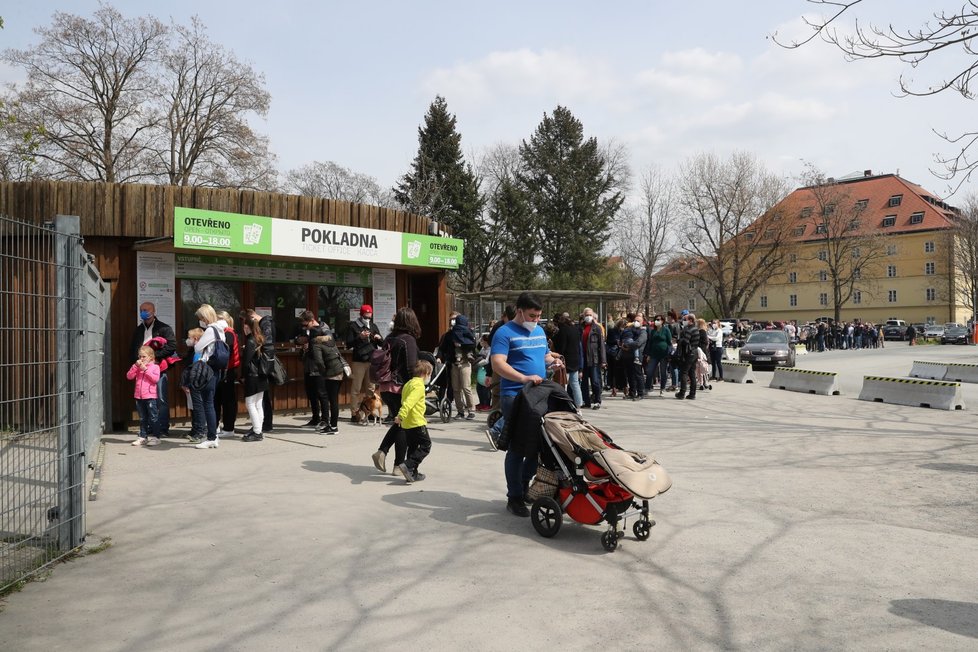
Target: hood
(461,332)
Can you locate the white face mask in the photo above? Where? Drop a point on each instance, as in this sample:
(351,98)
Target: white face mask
(658,322)
(637,324)
(366,321)
(588,319)
(451,322)
(203,324)
(190,342)
(391,326)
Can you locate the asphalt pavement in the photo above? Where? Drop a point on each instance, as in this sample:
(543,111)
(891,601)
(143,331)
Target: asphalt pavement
(795,521)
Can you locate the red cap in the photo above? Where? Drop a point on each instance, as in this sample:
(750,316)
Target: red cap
(365,308)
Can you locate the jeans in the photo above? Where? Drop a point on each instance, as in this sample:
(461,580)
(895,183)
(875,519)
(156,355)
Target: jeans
(226,400)
(205,418)
(518,469)
(329,399)
(660,366)
(716,355)
(148,417)
(313,396)
(591,376)
(688,375)
(396,437)
(636,377)
(574,387)
(505,405)
(267,410)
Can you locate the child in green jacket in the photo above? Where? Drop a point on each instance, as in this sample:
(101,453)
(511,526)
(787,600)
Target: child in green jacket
(411,418)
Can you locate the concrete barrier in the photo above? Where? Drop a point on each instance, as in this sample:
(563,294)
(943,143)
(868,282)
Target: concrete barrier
(961,372)
(807,381)
(931,370)
(937,394)
(737,372)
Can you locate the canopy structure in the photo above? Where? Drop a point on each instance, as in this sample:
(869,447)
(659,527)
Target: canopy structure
(482,307)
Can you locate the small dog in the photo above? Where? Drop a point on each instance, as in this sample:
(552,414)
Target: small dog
(371,410)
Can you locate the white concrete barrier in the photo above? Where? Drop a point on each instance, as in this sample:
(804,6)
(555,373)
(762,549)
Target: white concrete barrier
(807,381)
(961,372)
(731,354)
(737,372)
(931,370)
(937,394)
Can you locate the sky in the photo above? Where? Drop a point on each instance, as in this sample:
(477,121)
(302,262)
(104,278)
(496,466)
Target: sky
(350,82)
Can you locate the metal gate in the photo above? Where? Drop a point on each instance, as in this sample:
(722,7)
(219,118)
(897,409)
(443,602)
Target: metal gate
(53,308)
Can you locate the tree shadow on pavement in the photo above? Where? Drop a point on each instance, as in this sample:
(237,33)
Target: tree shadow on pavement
(959,468)
(949,615)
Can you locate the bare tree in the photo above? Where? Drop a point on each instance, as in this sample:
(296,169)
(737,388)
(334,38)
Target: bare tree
(964,259)
(850,248)
(88,91)
(209,96)
(727,222)
(643,236)
(951,31)
(329,179)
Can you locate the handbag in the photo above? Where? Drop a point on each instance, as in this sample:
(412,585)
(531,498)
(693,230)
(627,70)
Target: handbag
(273,369)
(544,484)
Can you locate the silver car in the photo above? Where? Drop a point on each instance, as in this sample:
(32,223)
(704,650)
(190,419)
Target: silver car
(768,349)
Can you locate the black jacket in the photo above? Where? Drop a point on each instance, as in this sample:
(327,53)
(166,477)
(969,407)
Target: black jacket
(524,426)
(159,330)
(689,340)
(567,343)
(362,348)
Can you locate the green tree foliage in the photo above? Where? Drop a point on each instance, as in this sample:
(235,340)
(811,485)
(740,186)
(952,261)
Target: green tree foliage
(442,186)
(572,197)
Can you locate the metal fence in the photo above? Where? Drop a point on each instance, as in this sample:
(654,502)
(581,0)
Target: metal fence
(53,306)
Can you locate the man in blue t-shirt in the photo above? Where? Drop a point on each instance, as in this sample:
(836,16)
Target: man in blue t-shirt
(519,355)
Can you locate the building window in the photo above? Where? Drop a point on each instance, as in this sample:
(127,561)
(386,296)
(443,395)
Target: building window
(749,235)
(668,305)
(823,299)
(929,247)
(895,200)
(800,231)
(931,321)
(861,204)
(691,304)
(792,258)
(857,297)
(929,269)
(828,209)
(823,255)
(889,220)
(854,225)
(768,234)
(823,275)
(891,296)
(891,271)
(856,252)
(806,212)
(763,301)
(916,218)
(792,299)
(692,285)
(857,273)
(931,294)
(891,250)
(792,277)
(820,228)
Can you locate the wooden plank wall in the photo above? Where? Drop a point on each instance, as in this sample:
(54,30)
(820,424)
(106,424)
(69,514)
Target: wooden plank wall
(146,211)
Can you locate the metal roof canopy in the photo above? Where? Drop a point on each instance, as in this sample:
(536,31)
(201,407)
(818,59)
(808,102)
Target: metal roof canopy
(595,299)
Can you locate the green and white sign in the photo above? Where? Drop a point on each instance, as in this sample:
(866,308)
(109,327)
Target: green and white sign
(234,233)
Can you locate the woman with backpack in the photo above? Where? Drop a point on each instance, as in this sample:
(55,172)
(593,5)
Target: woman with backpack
(212,349)
(226,396)
(329,370)
(254,377)
(403,345)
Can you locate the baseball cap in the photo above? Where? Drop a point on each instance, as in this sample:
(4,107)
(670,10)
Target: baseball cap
(366,309)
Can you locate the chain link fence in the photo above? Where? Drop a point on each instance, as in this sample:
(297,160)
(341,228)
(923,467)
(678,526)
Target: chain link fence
(53,308)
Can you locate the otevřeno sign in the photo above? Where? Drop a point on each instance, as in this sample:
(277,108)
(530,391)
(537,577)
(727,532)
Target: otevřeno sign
(248,234)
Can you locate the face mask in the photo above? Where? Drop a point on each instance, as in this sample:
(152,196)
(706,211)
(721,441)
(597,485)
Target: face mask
(203,324)
(452,322)
(366,321)
(144,314)
(658,322)
(190,342)
(637,324)
(588,319)
(390,326)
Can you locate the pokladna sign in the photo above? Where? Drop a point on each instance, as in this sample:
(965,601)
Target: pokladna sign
(194,228)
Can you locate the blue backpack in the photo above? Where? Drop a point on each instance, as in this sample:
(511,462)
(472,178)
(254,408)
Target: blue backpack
(222,352)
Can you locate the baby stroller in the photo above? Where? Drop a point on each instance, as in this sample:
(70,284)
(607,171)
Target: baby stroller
(582,473)
(702,370)
(436,391)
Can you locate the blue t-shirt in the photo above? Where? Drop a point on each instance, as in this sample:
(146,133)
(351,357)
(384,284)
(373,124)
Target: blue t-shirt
(524,352)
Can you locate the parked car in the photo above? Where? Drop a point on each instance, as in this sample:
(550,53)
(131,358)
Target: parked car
(920,328)
(894,331)
(934,331)
(955,335)
(768,349)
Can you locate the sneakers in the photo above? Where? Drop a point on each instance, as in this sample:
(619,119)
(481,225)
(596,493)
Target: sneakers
(680,395)
(194,438)
(139,441)
(328,430)
(322,426)
(470,416)
(380,461)
(153,441)
(595,406)
(516,507)
(310,422)
(209,443)
(418,476)
(492,439)
(406,472)
(226,433)
(253,436)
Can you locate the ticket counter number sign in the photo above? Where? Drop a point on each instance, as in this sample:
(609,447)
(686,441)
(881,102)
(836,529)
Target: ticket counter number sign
(235,233)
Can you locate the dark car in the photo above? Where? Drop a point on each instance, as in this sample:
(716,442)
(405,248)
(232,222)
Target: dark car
(768,349)
(892,332)
(955,335)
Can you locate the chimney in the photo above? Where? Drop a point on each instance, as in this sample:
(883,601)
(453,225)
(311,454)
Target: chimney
(867,173)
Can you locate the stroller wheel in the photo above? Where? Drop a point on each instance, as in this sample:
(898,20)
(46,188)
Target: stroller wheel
(546,517)
(493,418)
(609,540)
(642,529)
(445,411)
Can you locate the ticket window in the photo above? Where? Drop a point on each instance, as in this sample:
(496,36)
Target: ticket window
(222,295)
(335,304)
(285,301)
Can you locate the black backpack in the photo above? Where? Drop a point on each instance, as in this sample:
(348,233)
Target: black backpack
(221,355)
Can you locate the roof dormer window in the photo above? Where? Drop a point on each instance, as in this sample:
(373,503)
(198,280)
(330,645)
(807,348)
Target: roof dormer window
(895,200)
(862,204)
(917,218)
(889,220)
(806,212)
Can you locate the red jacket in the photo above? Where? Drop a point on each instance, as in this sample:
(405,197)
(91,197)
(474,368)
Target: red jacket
(234,361)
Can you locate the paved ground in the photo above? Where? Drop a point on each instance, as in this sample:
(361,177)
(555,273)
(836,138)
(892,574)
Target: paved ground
(795,522)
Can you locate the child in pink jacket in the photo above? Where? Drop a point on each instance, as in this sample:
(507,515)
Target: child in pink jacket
(146,373)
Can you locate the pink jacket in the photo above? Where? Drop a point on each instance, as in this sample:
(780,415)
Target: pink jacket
(145,380)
